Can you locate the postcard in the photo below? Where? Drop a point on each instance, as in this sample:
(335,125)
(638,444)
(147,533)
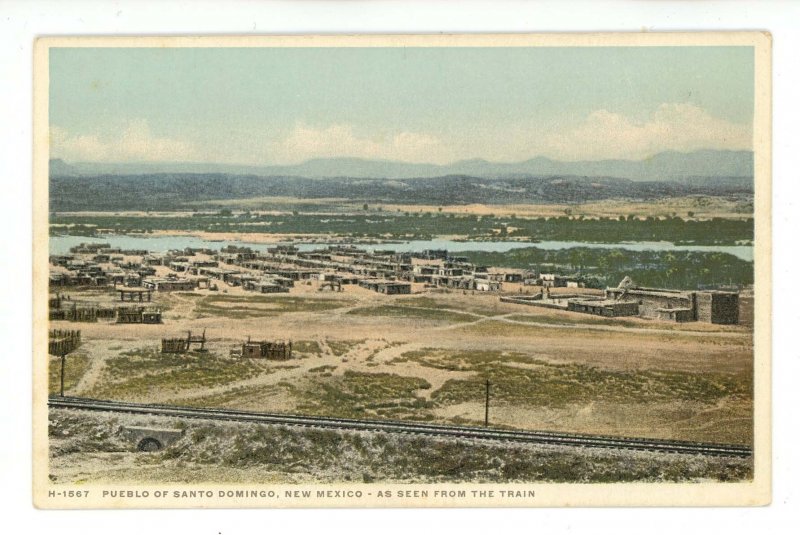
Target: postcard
(402,271)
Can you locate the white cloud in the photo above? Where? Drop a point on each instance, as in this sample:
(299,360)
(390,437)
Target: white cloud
(340,140)
(680,127)
(600,135)
(136,143)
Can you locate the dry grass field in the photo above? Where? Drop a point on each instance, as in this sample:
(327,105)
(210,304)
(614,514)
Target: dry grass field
(700,207)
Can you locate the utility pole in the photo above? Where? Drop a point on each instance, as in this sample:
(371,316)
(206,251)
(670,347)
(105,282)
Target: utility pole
(63,358)
(486,418)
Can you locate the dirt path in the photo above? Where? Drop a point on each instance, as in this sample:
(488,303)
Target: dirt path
(97,363)
(183,306)
(325,349)
(506,318)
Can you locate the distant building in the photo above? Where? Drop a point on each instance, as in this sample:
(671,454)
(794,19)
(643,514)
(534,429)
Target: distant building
(483,285)
(386,287)
(603,307)
(652,303)
(551,280)
(169,285)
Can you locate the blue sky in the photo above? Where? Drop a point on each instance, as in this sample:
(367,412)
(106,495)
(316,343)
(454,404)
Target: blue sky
(285,105)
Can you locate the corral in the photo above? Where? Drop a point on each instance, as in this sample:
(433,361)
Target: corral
(131,294)
(182,345)
(138,315)
(62,341)
(267,350)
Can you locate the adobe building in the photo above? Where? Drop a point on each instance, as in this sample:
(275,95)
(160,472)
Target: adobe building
(386,287)
(169,285)
(603,307)
(651,303)
(718,307)
(679,305)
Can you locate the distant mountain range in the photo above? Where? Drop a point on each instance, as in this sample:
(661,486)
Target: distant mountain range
(666,166)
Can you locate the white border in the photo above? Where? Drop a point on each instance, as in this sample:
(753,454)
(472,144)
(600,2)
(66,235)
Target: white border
(755,492)
(21,21)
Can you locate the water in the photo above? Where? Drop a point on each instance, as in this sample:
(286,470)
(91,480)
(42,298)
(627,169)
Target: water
(62,244)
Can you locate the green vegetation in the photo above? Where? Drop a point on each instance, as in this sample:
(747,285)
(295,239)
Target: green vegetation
(243,307)
(137,374)
(586,319)
(74,369)
(524,381)
(72,432)
(465,305)
(306,346)
(322,369)
(606,267)
(406,312)
(380,457)
(493,327)
(342,347)
(425,226)
(418,301)
(236,397)
(366,395)
(374,353)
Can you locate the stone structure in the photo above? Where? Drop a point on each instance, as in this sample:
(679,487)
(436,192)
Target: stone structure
(603,307)
(149,439)
(718,307)
(680,305)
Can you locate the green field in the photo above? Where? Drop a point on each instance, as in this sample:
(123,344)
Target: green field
(412,313)
(522,381)
(365,395)
(424,225)
(243,307)
(75,367)
(138,374)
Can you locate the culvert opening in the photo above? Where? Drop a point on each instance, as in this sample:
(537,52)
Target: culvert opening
(149,444)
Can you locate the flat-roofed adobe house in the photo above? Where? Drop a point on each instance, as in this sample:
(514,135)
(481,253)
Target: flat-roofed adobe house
(169,285)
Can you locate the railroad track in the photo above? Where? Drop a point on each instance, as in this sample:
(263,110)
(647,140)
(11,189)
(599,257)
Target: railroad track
(394,426)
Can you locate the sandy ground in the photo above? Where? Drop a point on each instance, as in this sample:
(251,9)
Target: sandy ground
(374,343)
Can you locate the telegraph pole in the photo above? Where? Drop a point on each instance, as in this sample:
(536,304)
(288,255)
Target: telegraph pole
(486,418)
(63,358)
